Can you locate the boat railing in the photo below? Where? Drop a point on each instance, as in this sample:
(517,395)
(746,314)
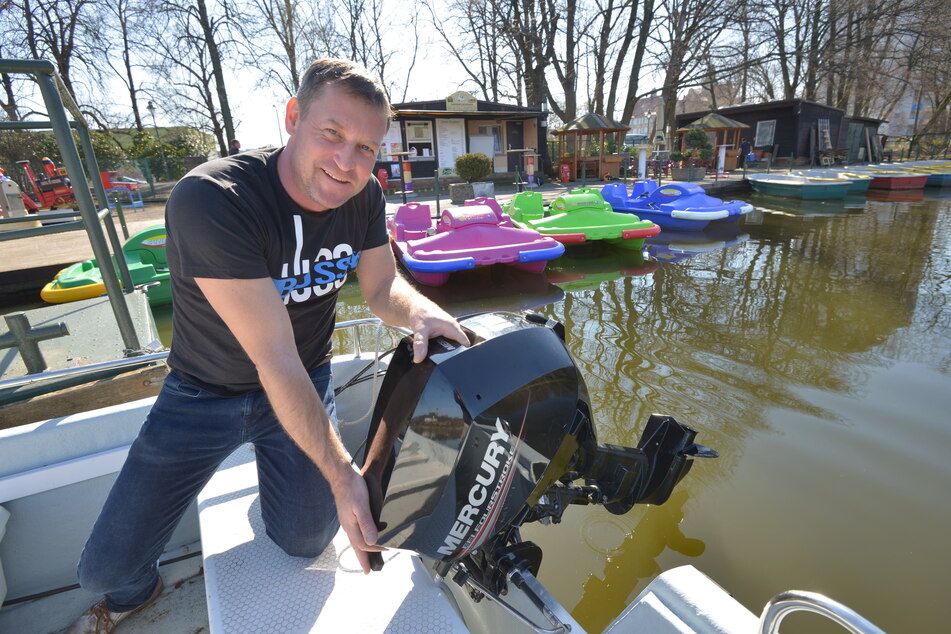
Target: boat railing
(784,604)
(58,100)
(156,356)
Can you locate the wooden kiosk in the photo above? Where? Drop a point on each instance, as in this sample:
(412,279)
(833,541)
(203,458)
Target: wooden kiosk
(583,146)
(726,132)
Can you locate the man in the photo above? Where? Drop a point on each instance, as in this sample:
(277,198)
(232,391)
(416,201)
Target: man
(258,245)
(235,147)
(745,148)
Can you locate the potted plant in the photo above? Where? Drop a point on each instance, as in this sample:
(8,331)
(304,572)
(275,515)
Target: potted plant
(700,147)
(472,167)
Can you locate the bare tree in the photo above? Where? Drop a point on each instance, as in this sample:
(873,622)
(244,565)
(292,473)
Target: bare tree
(687,32)
(620,31)
(362,24)
(10,99)
(115,46)
(479,41)
(532,26)
(185,71)
(286,36)
(637,35)
(207,29)
(560,35)
(51,29)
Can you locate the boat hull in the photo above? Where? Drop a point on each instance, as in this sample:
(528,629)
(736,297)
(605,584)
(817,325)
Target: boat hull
(939,180)
(801,192)
(898,182)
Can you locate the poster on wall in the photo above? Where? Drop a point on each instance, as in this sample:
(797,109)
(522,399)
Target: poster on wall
(392,142)
(450,141)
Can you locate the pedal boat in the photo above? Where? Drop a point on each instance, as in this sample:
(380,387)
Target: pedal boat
(145,256)
(477,234)
(580,216)
(675,206)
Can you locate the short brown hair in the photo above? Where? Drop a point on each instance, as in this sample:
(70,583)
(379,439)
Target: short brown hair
(355,80)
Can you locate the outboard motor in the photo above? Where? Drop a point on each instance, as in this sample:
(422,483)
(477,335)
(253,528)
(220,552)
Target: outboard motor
(470,444)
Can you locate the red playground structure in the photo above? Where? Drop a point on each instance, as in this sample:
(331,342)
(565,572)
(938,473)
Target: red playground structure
(50,190)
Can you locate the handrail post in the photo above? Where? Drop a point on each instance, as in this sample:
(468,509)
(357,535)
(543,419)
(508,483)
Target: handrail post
(120,212)
(74,166)
(784,604)
(121,264)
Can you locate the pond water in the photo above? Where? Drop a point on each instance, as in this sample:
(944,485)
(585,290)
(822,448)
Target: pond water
(811,347)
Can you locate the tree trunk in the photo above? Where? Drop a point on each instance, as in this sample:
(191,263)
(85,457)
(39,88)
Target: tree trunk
(215,57)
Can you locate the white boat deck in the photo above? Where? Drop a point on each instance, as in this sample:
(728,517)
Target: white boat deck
(253,586)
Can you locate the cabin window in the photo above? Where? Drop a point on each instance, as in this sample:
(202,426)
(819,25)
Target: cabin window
(765,130)
(496,132)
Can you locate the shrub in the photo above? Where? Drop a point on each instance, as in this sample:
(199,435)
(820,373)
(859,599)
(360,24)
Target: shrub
(698,140)
(473,166)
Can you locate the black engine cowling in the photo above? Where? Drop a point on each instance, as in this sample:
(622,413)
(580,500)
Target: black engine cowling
(476,440)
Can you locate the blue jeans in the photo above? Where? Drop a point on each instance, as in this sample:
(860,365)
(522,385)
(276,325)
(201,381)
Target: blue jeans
(187,434)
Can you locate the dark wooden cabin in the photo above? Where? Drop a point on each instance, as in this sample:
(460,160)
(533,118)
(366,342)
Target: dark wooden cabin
(801,130)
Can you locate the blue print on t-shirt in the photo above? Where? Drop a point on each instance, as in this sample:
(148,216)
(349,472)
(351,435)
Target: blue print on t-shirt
(324,276)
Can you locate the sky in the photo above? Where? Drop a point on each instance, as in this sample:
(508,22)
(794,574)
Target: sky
(257,110)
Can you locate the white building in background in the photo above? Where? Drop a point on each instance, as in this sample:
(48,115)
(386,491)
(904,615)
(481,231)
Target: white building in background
(644,121)
(907,116)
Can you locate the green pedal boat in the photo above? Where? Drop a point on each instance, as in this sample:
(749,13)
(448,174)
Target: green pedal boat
(580,216)
(145,255)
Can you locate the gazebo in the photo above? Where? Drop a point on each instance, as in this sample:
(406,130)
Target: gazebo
(584,144)
(725,131)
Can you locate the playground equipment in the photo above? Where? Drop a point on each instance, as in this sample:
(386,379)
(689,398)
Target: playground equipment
(127,191)
(50,190)
(11,201)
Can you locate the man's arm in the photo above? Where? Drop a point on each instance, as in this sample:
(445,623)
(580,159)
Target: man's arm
(256,316)
(392,299)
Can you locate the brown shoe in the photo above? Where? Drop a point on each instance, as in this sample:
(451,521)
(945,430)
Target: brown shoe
(99,620)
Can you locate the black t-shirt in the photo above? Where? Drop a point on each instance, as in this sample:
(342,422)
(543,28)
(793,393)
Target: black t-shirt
(232,219)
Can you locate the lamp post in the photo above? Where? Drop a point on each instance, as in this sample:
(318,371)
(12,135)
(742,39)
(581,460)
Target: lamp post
(151,110)
(277,115)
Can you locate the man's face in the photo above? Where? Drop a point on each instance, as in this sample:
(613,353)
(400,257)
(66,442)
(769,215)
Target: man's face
(331,151)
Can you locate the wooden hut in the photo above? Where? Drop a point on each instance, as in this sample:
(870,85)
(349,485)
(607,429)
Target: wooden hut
(722,131)
(591,146)
(801,130)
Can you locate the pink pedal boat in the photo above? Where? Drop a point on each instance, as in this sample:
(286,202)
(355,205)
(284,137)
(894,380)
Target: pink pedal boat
(478,234)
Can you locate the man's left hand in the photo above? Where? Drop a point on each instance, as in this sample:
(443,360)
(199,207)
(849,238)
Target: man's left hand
(434,324)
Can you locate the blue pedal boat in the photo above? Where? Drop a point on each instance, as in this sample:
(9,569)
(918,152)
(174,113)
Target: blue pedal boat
(675,206)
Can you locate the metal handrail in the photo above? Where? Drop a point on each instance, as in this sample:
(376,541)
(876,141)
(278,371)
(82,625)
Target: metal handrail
(784,604)
(155,357)
(58,100)
(80,370)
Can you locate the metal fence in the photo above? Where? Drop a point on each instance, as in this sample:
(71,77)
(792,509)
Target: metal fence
(150,172)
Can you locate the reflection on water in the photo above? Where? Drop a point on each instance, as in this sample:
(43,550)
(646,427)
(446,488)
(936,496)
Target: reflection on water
(811,347)
(671,246)
(815,356)
(588,265)
(779,204)
(897,195)
(633,559)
